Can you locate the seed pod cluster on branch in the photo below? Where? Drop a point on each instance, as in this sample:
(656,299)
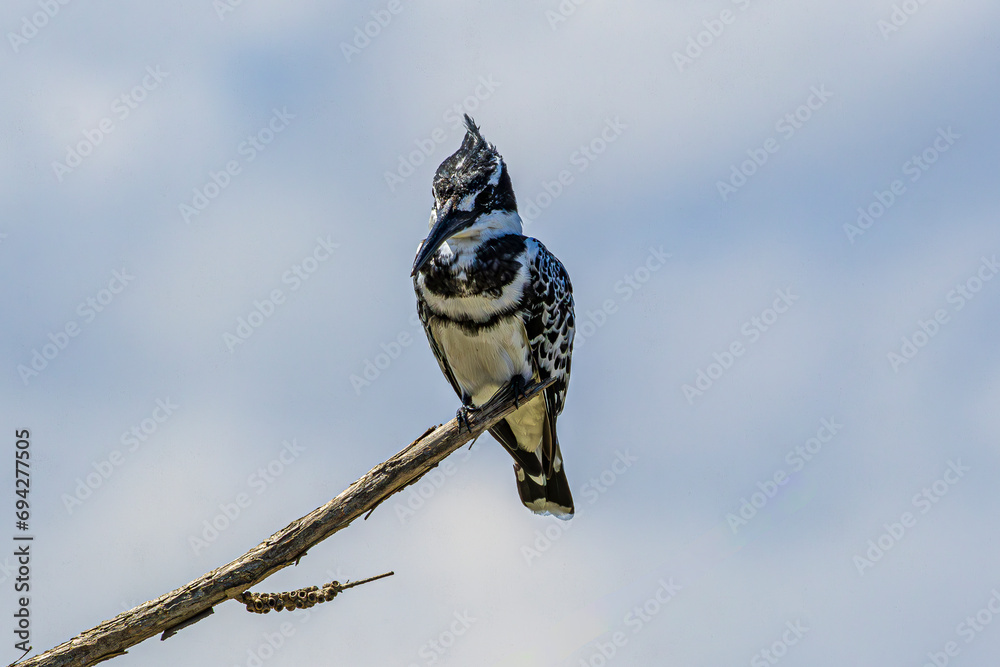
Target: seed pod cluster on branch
(302,598)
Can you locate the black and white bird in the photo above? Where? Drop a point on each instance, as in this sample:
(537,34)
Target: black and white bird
(497,308)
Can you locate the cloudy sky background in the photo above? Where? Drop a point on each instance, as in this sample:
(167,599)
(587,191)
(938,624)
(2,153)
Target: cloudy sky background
(541,89)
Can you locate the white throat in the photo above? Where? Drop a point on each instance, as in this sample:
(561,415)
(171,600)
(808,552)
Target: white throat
(486,227)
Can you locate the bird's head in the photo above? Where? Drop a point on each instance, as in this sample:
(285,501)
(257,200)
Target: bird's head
(470,187)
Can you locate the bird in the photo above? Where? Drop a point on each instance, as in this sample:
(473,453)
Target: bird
(497,309)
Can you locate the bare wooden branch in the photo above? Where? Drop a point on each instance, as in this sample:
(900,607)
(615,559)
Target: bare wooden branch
(187,604)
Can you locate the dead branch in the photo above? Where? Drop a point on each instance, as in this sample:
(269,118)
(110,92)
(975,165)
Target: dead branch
(195,601)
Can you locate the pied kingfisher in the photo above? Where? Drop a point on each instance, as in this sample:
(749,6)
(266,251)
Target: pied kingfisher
(497,308)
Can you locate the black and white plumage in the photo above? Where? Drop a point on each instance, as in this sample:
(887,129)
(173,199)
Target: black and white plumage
(497,308)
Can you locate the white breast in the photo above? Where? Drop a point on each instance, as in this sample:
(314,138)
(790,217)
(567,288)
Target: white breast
(483,362)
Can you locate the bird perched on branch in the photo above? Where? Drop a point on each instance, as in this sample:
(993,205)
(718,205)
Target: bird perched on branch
(497,308)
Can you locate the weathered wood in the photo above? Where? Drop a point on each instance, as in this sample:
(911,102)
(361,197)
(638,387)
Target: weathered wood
(176,609)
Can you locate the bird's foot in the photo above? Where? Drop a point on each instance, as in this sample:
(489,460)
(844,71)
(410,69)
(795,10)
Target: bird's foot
(514,389)
(463,414)
(517,387)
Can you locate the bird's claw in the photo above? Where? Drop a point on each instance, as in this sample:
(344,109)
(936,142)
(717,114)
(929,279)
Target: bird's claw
(462,415)
(517,387)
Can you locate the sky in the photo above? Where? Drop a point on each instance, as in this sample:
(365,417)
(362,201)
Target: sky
(780,220)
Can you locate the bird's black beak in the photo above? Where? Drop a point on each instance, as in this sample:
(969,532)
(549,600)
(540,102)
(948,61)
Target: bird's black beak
(449,221)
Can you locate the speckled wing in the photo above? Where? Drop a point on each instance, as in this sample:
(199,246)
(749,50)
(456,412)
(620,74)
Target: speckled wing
(550,323)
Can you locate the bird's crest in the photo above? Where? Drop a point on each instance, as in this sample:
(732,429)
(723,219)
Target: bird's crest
(476,167)
(472,128)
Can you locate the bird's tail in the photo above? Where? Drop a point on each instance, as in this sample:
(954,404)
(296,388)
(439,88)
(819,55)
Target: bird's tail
(548,492)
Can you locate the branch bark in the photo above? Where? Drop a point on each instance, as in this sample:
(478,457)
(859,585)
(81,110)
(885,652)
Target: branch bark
(194,601)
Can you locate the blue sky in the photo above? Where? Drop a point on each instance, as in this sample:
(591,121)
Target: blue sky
(210,214)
